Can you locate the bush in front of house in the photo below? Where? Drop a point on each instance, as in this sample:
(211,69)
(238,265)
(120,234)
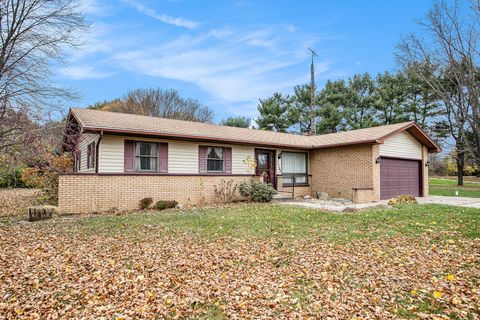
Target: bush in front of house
(165,204)
(145,203)
(225,192)
(257,191)
(402,199)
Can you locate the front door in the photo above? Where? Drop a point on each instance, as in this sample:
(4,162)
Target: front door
(266,166)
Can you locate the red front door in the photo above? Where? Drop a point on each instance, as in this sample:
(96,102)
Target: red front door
(266,166)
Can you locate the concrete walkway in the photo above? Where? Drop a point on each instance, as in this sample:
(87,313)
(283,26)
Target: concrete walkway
(332,206)
(453,201)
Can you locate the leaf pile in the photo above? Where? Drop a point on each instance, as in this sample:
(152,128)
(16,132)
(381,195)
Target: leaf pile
(14,202)
(52,270)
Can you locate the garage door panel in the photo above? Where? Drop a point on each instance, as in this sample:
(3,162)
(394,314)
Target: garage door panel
(399,176)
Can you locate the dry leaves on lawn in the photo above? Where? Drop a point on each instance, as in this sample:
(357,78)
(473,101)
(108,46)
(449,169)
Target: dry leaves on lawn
(50,270)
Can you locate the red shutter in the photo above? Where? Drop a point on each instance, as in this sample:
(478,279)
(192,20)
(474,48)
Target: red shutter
(88,156)
(163,157)
(228,160)
(202,159)
(129,156)
(94,151)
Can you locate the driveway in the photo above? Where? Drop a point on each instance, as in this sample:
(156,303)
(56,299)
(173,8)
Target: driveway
(453,201)
(336,206)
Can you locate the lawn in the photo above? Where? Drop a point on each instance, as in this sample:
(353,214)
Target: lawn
(245,261)
(448,187)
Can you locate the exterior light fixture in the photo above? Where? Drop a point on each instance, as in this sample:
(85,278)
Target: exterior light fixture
(377,160)
(427,164)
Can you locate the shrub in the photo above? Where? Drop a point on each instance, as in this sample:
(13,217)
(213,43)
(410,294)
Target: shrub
(257,191)
(165,204)
(403,198)
(145,203)
(225,193)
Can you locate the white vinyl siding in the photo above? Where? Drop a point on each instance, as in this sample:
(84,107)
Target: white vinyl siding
(239,155)
(401,145)
(110,154)
(84,140)
(182,155)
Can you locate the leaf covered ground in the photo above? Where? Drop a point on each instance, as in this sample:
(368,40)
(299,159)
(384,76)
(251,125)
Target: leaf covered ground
(247,261)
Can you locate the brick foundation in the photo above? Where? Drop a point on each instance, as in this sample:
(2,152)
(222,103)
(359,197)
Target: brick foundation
(95,193)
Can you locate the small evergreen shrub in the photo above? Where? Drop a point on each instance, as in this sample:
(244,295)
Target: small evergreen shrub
(145,203)
(257,191)
(165,204)
(402,199)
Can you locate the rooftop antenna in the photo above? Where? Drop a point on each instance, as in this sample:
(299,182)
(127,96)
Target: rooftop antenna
(313,128)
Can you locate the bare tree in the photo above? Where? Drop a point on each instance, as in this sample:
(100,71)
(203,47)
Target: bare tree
(33,36)
(161,103)
(451,44)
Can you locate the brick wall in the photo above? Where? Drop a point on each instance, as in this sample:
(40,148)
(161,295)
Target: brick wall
(300,191)
(425,171)
(337,171)
(92,193)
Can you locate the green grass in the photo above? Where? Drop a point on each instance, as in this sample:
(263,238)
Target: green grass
(450,183)
(291,222)
(450,192)
(447,187)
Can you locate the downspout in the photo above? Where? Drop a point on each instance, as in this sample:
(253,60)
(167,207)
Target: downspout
(97,148)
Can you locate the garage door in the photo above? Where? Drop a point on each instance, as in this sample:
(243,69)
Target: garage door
(398,176)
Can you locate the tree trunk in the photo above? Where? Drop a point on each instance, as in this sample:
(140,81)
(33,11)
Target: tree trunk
(460,167)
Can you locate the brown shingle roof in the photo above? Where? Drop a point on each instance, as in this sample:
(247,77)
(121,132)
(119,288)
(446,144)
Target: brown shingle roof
(94,120)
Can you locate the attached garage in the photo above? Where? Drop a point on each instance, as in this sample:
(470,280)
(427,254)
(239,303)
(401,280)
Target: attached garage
(400,166)
(400,176)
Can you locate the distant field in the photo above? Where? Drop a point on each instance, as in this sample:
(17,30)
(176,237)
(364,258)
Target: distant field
(446,186)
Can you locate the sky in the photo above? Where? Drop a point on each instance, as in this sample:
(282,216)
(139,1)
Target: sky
(230,54)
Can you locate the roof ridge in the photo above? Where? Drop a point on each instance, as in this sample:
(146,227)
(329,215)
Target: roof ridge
(183,121)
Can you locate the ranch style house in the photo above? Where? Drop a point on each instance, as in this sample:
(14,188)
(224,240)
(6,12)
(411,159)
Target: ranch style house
(122,158)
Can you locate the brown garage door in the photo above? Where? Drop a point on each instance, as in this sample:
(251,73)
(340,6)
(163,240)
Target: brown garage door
(398,176)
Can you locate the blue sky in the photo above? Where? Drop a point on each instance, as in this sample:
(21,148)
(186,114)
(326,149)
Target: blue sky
(228,54)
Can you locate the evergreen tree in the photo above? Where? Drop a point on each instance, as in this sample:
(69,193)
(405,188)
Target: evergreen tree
(274,113)
(300,113)
(240,122)
(391,98)
(332,103)
(359,110)
(421,100)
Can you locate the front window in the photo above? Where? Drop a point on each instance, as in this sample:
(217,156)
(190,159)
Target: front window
(294,168)
(146,157)
(215,159)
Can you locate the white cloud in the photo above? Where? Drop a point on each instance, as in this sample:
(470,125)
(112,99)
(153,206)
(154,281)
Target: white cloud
(179,22)
(83,72)
(234,68)
(93,7)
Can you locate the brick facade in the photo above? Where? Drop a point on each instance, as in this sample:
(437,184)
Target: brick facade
(346,172)
(425,172)
(95,193)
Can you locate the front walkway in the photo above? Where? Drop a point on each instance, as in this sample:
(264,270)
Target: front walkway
(338,206)
(453,201)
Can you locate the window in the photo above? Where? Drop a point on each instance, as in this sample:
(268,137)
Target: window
(294,168)
(91,155)
(215,157)
(146,157)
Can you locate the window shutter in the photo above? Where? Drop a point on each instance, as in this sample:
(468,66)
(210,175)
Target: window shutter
(202,159)
(228,160)
(94,154)
(129,156)
(163,157)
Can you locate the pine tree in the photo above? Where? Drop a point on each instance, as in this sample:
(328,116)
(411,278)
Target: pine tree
(274,113)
